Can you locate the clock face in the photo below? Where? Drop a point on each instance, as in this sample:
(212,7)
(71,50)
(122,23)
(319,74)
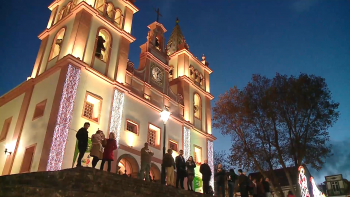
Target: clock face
(157,74)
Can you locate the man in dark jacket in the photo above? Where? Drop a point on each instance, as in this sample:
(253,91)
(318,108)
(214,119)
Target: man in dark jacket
(243,183)
(180,169)
(169,164)
(231,179)
(82,137)
(206,174)
(220,181)
(266,185)
(146,158)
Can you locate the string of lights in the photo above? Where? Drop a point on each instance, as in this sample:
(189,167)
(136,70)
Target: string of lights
(117,112)
(64,118)
(315,191)
(303,183)
(211,162)
(187,142)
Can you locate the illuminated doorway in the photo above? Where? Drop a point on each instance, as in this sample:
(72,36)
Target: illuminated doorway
(127,165)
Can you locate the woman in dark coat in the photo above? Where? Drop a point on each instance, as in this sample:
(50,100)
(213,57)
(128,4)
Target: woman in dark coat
(108,151)
(190,172)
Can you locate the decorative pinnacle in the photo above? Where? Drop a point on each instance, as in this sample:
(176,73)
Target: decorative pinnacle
(177,20)
(203,57)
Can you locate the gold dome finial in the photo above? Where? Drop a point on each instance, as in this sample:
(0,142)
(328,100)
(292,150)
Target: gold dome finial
(177,20)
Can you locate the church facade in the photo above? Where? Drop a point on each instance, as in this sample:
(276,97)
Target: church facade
(82,74)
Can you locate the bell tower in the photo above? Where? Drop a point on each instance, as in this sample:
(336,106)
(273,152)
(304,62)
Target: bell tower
(96,32)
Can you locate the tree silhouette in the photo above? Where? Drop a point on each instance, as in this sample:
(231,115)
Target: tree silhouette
(277,122)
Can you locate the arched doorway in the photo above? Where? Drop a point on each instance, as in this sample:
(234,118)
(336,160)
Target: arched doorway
(155,172)
(128,165)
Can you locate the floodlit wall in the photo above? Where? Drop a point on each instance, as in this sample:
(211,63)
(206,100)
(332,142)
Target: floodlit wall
(34,130)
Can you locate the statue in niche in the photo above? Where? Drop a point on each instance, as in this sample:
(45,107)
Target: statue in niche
(100,47)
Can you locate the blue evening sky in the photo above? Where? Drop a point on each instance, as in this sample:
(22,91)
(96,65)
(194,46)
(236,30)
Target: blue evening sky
(238,37)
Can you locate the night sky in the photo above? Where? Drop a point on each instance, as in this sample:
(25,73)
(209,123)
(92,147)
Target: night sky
(238,38)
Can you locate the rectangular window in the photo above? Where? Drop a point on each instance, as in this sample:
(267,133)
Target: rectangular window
(173,145)
(39,109)
(335,186)
(132,127)
(197,154)
(153,136)
(27,159)
(5,129)
(92,107)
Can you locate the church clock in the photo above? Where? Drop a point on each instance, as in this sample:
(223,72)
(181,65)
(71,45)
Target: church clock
(157,74)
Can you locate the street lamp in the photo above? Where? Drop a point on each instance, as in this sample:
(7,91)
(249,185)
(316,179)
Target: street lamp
(164,115)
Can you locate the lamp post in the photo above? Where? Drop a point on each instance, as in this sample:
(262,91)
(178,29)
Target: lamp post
(164,115)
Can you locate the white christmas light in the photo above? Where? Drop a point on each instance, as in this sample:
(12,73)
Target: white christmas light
(187,142)
(211,162)
(117,112)
(64,118)
(303,183)
(315,191)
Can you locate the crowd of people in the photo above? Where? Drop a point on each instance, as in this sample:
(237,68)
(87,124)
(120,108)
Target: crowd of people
(246,186)
(102,149)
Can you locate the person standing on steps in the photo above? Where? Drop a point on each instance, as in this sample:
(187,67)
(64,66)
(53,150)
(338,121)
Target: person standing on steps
(169,164)
(82,137)
(243,183)
(108,155)
(266,185)
(206,175)
(231,180)
(190,172)
(220,181)
(146,158)
(96,152)
(180,169)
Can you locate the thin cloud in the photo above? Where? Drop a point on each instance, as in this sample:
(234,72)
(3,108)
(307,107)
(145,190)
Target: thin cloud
(303,5)
(339,163)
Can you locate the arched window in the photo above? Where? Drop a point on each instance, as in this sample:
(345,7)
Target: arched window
(110,10)
(67,9)
(196,76)
(61,14)
(201,80)
(57,43)
(100,5)
(171,73)
(158,43)
(118,18)
(103,43)
(192,72)
(197,106)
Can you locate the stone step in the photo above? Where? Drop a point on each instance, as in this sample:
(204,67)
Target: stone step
(83,182)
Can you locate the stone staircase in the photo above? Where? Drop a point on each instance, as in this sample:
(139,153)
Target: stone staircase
(83,182)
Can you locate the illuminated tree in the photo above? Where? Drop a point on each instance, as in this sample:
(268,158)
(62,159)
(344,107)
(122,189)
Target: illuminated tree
(277,122)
